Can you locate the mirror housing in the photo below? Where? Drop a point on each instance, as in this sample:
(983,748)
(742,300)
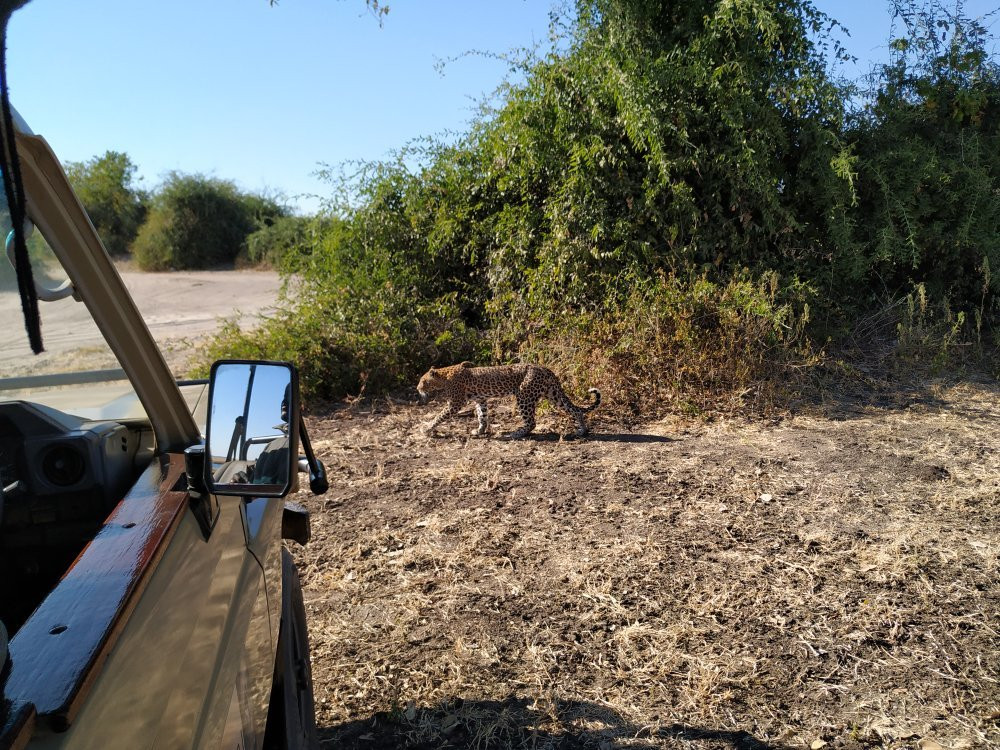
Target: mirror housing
(252,437)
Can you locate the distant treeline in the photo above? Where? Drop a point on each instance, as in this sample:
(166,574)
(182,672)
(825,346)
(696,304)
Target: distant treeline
(189,221)
(679,202)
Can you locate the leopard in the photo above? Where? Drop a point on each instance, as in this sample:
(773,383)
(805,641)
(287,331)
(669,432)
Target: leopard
(528,384)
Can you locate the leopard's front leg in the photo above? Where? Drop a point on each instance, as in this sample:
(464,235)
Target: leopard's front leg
(482,416)
(450,410)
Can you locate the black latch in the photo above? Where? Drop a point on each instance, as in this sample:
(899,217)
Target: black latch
(295,523)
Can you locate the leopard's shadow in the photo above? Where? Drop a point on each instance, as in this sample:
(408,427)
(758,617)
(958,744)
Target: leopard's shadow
(595,437)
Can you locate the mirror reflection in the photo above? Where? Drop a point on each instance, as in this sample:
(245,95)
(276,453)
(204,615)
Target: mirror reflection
(248,427)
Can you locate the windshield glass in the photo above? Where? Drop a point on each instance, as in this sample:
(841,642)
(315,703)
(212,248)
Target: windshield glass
(77,373)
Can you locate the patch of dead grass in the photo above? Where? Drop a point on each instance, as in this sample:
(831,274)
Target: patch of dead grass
(727,585)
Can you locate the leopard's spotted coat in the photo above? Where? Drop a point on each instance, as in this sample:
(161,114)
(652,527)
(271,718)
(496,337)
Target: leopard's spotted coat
(527,383)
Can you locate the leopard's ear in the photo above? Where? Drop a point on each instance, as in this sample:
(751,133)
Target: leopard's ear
(466,364)
(431,371)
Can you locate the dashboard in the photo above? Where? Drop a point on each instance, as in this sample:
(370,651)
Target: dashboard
(58,468)
(8,457)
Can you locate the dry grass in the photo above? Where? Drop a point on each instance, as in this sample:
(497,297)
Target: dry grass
(819,579)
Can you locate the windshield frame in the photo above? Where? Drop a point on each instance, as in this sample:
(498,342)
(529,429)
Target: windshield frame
(62,220)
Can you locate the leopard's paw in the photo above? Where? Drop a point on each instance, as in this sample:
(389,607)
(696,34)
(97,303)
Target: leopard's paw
(517,434)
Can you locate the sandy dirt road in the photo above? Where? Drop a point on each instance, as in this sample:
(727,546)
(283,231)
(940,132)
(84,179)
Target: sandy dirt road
(180,308)
(191,303)
(183,307)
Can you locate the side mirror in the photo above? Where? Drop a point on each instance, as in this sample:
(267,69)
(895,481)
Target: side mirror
(252,439)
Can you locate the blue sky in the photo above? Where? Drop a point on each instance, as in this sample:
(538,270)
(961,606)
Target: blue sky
(262,95)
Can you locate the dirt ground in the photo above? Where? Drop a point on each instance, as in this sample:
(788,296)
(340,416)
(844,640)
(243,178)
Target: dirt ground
(828,579)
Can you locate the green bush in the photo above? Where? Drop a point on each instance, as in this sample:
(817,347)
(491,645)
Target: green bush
(353,344)
(273,241)
(672,136)
(199,222)
(363,315)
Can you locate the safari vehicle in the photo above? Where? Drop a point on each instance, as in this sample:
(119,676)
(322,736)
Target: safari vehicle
(145,594)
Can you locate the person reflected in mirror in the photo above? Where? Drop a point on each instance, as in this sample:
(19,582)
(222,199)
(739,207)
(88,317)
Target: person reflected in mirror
(271,466)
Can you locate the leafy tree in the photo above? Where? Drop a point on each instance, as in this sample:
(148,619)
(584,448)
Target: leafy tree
(672,135)
(117,207)
(928,148)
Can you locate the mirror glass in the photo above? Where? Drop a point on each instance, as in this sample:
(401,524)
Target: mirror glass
(251,429)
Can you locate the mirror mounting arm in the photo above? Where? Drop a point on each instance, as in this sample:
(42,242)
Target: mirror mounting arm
(317,472)
(204,504)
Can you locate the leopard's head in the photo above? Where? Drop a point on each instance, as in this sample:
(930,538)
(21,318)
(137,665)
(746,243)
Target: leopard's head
(432,382)
(438,379)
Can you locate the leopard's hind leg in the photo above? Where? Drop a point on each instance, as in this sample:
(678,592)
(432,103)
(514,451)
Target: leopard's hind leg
(558,396)
(526,408)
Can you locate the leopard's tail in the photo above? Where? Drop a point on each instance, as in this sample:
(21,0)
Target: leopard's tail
(595,399)
(558,395)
